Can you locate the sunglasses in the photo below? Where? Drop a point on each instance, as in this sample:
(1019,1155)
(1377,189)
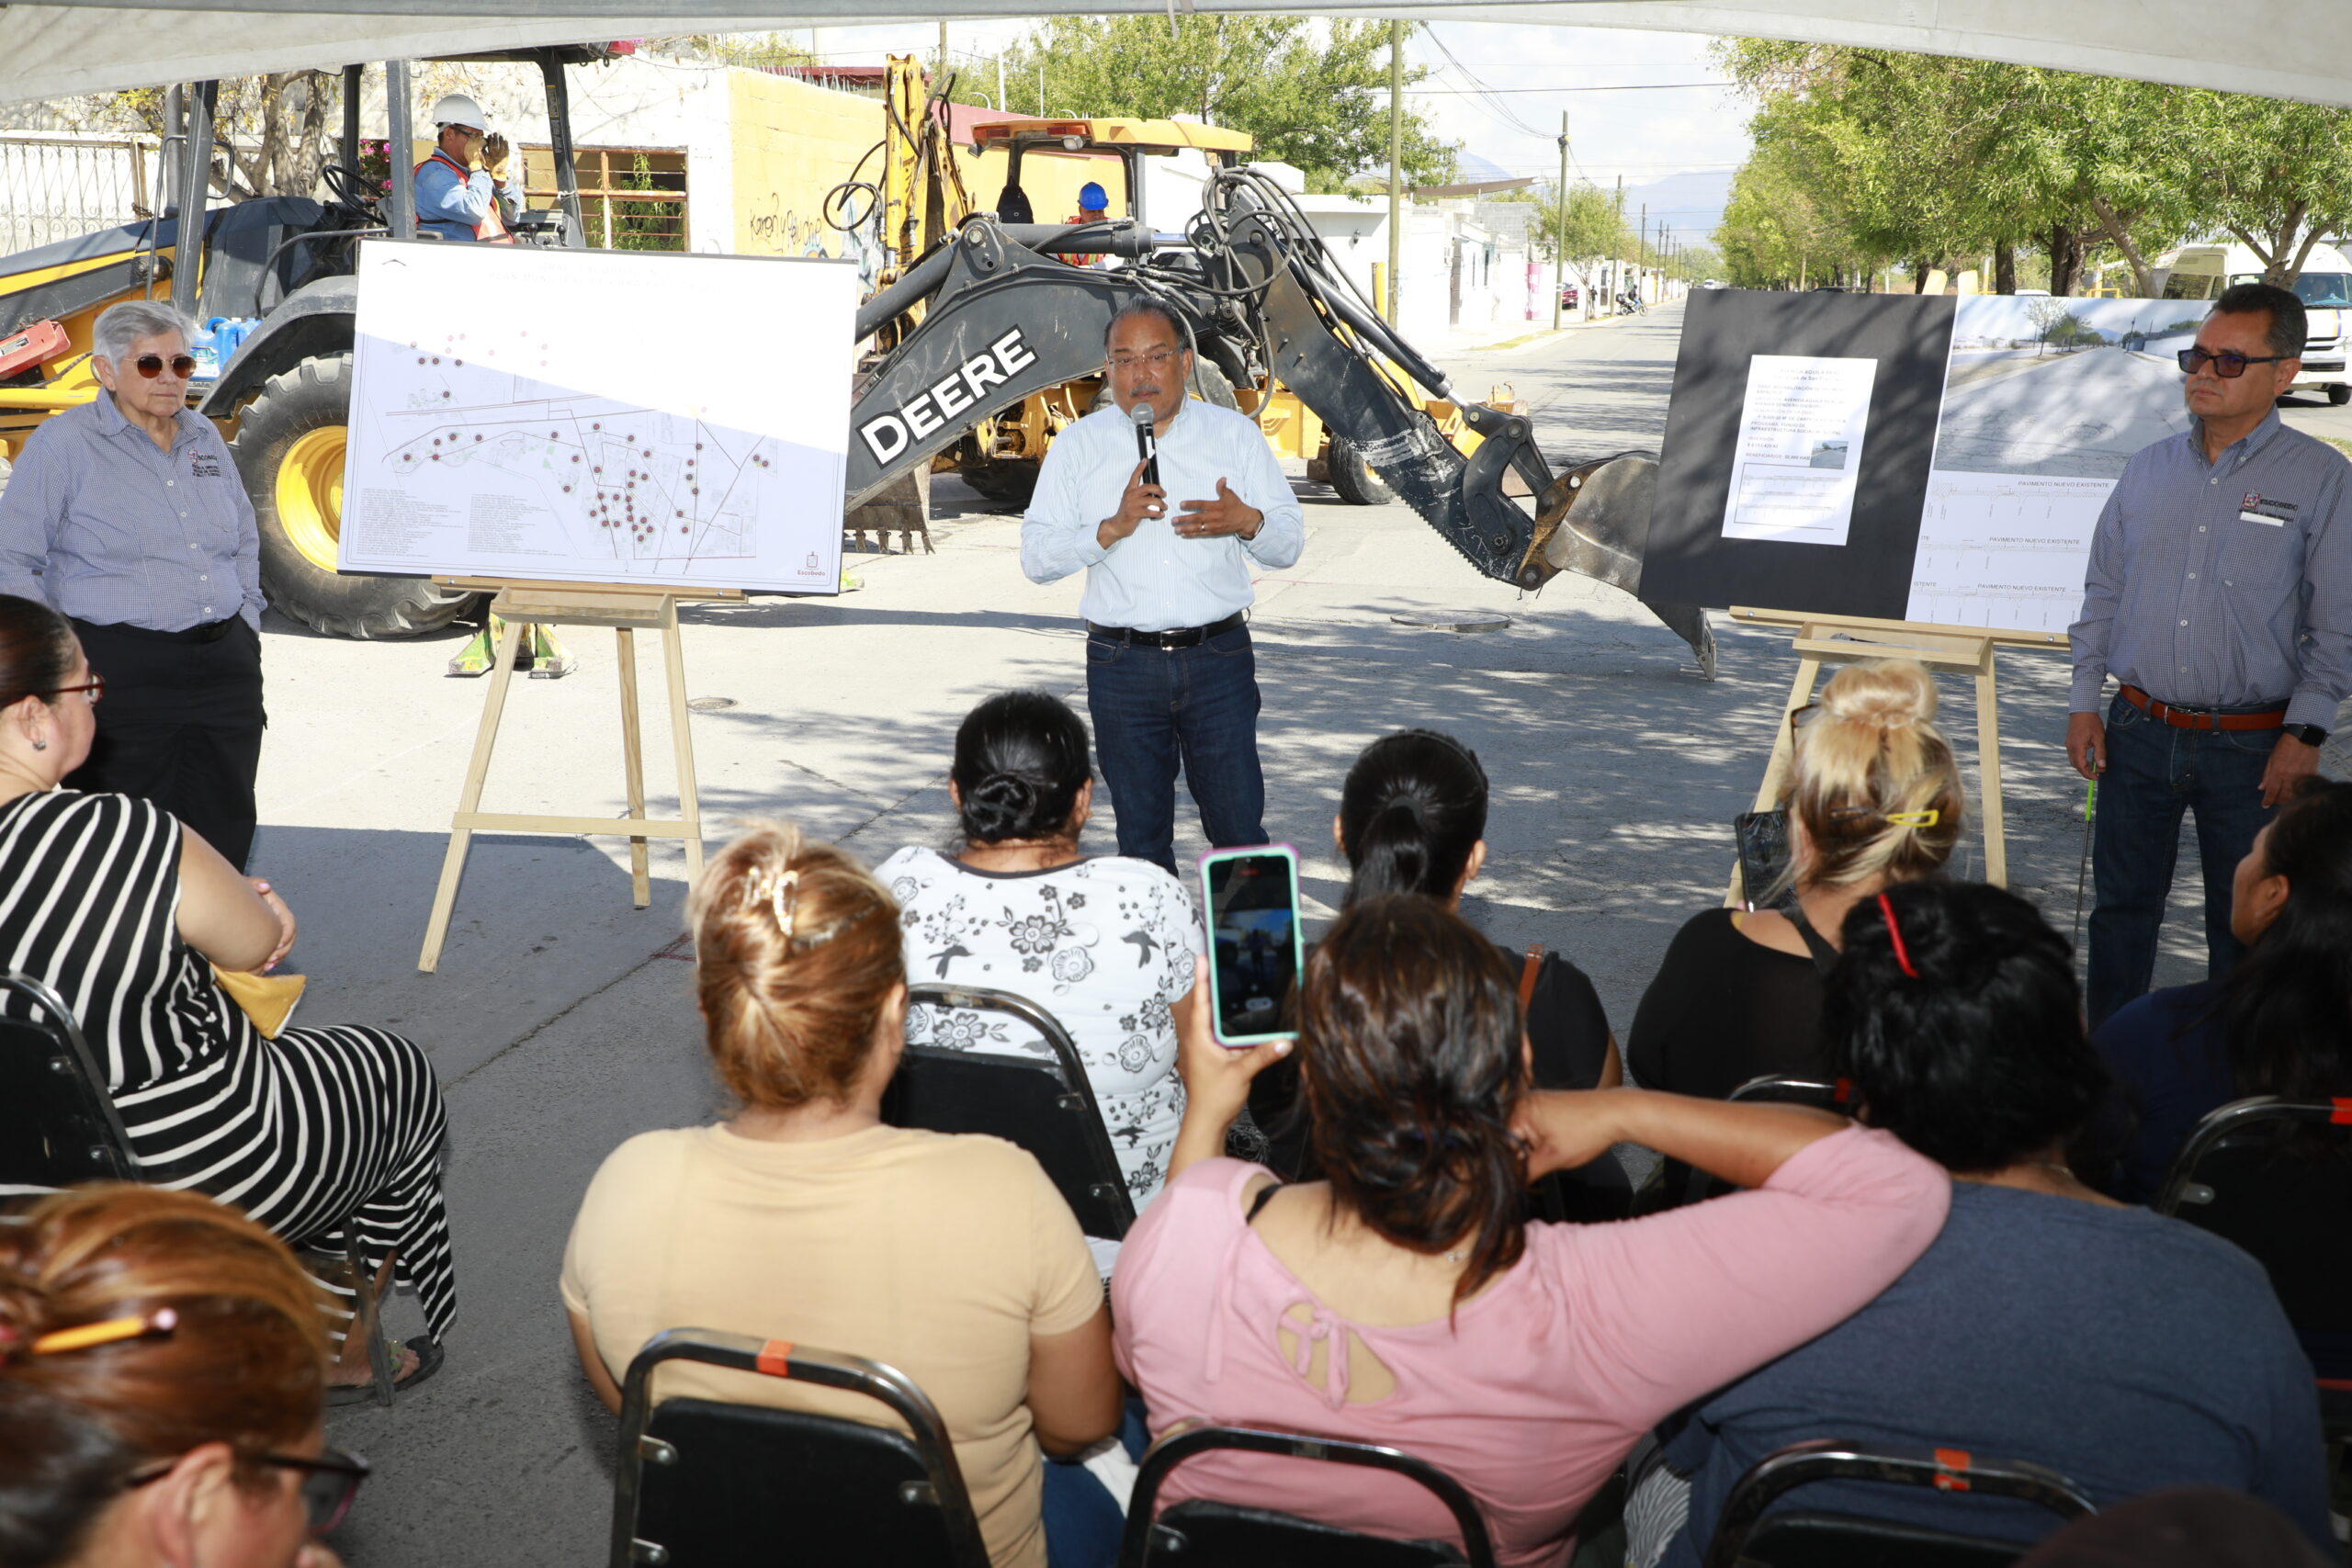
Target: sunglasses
(330,1481)
(95,685)
(2228,367)
(151,365)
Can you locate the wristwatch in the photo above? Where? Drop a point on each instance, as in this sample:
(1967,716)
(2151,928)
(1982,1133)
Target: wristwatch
(2308,733)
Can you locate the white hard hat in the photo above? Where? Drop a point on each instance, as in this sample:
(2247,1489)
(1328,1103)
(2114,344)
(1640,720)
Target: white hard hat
(455,109)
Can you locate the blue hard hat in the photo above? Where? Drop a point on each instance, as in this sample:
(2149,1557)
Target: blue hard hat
(1092,198)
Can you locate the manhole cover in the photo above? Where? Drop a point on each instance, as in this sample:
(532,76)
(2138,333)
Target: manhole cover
(1462,621)
(709,705)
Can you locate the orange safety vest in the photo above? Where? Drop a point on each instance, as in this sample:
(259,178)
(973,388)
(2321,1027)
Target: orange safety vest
(490,231)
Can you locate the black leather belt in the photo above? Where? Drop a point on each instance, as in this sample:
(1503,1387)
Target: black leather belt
(1182,637)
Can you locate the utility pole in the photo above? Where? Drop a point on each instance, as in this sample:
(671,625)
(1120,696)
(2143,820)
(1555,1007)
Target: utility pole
(1617,247)
(1560,235)
(1642,249)
(943,50)
(1396,159)
(1002,105)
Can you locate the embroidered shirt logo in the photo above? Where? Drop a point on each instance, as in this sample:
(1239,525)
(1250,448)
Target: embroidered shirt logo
(204,466)
(2269,514)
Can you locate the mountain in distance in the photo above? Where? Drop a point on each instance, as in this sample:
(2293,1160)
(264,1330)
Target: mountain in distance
(1689,204)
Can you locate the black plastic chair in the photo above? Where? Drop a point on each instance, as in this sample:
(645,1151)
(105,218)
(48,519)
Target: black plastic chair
(59,1128)
(1044,1104)
(711,1483)
(1224,1535)
(1772,1089)
(1747,1538)
(2275,1178)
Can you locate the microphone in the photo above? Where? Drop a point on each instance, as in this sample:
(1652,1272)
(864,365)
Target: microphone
(1147,444)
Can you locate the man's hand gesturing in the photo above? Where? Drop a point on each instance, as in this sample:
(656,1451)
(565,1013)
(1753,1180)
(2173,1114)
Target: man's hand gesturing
(1229,513)
(1141,501)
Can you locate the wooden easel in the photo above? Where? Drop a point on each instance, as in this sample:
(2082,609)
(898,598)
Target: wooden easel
(1843,639)
(625,608)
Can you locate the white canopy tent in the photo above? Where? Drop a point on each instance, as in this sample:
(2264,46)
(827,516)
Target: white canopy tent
(2287,49)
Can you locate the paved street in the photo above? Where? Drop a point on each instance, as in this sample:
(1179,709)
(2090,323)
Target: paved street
(2077,416)
(561,1021)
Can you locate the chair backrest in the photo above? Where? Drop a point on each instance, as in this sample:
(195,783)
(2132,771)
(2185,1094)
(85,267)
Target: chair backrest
(1043,1103)
(1230,1536)
(711,1483)
(1773,1088)
(58,1126)
(1745,1537)
(2275,1177)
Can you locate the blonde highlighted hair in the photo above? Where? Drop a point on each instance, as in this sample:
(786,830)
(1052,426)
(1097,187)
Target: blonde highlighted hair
(797,954)
(1873,779)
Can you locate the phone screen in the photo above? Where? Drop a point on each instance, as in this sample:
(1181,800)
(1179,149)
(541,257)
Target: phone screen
(1253,941)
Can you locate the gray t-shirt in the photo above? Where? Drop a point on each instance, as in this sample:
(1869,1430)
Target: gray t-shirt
(2124,1350)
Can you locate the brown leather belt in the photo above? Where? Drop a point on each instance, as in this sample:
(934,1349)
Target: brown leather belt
(2202,719)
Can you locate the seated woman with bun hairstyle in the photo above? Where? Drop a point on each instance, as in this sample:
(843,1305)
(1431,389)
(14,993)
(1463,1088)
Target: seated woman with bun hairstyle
(804,1218)
(1412,819)
(1405,1299)
(162,1366)
(1104,942)
(2125,1350)
(1873,799)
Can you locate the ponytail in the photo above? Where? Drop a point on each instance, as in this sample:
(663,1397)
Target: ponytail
(1413,808)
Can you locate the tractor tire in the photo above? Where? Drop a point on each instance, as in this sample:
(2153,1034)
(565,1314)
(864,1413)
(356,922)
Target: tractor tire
(289,453)
(1009,483)
(1354,479)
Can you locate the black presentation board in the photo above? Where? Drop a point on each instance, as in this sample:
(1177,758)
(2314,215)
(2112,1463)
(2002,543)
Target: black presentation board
(1688,560)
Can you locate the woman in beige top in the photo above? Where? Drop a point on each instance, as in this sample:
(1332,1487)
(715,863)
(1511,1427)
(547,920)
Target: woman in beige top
(803,1217)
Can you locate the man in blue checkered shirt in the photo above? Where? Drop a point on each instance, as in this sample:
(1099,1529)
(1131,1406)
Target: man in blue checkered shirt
(2219,595)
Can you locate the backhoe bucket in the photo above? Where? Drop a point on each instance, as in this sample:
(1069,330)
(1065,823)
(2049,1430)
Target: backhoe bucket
(1595,521)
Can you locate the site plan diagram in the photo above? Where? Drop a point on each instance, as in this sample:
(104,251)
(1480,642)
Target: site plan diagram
(506,422)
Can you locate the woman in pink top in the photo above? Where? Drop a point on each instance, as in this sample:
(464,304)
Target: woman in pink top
(1407,1301)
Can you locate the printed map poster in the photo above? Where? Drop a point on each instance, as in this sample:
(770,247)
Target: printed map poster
(599,416)
(1800,450)
(2044,403)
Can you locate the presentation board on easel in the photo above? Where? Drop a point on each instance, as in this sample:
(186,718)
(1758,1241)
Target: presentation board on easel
(596,437)
(1901,458)
(598,416)
(1904,476)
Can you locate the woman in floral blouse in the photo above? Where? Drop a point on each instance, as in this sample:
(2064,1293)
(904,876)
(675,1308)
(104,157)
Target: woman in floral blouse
(1104,943)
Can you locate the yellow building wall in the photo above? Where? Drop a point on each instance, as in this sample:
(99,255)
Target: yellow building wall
(793,144)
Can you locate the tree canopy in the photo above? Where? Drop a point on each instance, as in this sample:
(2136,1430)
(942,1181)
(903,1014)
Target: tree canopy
(1314,93)
(1865,157)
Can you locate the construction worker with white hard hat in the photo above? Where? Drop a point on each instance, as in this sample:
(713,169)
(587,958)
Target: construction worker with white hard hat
(463,190)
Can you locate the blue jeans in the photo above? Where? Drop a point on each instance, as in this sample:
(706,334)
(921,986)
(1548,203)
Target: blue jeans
(2153,774)
(1154,708)
(1083,1523)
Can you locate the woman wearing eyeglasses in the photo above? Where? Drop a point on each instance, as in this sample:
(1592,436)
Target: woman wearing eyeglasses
(159,1360)
(127,514)
(1873,798)
(124,913)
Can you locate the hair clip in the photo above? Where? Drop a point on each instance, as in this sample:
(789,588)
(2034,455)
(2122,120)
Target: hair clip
(778,891)
(1902,954)
(1927,819)
(163,1319)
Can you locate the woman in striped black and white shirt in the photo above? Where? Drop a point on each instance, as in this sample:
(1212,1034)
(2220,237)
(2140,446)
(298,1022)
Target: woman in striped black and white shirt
(123,912)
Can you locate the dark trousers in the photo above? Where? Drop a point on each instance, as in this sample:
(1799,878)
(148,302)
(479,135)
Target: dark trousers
(2153,774)
(180,725)
(1154,708)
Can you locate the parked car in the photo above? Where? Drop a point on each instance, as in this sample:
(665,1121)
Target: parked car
(1568,297)
(2325,285)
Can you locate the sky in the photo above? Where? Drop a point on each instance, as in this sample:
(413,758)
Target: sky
(1499,94)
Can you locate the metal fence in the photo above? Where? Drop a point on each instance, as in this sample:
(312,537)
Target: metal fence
(58,187)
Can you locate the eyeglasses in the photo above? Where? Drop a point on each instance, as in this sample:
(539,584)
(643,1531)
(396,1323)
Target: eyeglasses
(1153,360)
(330,1481)
(151,365)
(2228,367)
(1799,718)
(95,687)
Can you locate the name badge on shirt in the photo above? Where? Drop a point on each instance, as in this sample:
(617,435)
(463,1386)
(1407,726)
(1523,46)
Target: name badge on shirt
(204,466)
(2271,514)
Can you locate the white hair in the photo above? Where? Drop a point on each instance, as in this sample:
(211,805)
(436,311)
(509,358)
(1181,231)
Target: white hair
(119,326)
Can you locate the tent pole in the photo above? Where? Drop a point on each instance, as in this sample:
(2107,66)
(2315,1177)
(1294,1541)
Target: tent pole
(400,201)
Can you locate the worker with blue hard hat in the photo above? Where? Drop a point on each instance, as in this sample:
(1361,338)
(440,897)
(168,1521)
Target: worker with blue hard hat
(1093,206)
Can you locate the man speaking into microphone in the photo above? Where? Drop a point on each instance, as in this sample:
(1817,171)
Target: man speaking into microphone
(1170,678)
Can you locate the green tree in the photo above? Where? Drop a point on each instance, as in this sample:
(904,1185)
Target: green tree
(2277,176)
(1314,93)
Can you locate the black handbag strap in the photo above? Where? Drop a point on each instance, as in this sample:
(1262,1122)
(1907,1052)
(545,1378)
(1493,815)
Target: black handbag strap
(1825,957)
